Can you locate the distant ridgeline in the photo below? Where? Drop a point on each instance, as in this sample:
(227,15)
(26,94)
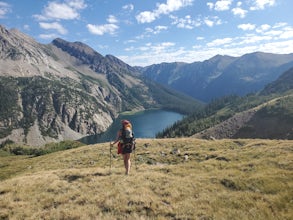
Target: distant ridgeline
(221,75)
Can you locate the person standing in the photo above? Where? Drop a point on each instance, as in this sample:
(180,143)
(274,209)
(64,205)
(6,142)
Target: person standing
(125,140)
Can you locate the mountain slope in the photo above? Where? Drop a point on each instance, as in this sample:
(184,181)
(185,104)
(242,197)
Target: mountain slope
(282,84)
(66,90)
(221,75)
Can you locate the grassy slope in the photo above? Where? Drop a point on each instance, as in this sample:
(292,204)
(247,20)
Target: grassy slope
(223,179)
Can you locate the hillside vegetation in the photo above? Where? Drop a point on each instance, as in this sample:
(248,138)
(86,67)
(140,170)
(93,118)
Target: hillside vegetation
(170,179)
(251,116)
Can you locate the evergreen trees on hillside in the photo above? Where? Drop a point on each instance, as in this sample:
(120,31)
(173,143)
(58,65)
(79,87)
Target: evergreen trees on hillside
(215,112)
(173,100)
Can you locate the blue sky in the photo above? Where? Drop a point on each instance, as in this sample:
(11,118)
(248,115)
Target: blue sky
(146,32)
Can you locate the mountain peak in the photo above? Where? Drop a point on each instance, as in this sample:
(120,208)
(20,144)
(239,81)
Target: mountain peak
(75,46)
(83,53)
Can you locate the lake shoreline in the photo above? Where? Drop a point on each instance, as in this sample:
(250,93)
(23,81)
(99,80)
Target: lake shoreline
(146,124)
(133,112)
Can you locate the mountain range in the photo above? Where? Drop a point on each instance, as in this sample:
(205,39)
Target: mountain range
(221,75)
(66,90)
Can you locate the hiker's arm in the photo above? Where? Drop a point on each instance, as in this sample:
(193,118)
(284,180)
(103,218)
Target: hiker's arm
(115,142)
(117,139)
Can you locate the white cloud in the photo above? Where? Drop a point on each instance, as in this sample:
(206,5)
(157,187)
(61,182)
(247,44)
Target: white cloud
(221,5)
(68,10)
(146,17)
(280,24)
(254,39)
(76,4)
(263,28)
(167,44)
(112,19)
(261,4)
(159,28)
(277,47)
(129,49)
(26,27)
(211,21)
(172,5)
(148,32)
(102,29)
(164,8)
(219,42)
(60,11)
(48,36)
(109,28)
(154,53)
(187,22)
(246,27)
(287,34)
(239,11)
(5,8)
(274,33)
(210,5)
(279,32)
(157,48)
(239,4)
(190,23)
(54,26)
(258,39)
(129,7)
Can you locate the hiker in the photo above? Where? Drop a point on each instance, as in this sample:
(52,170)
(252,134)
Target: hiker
(125,139)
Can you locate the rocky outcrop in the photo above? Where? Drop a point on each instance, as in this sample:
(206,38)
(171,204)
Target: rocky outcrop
(227,128)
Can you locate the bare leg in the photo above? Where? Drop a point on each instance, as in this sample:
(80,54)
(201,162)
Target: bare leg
(127,163)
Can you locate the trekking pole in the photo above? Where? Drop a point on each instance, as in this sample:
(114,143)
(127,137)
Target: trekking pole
(135,163)
(135,160)
(110,157)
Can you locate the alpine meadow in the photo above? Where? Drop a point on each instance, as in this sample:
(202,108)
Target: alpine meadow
(230,157)
(183,178)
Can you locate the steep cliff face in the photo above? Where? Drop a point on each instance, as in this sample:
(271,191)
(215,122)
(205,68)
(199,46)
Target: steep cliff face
(41,110)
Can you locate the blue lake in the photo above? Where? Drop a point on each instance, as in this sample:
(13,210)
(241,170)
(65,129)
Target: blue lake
(145,124)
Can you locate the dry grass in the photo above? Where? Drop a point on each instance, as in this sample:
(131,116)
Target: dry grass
(225,179)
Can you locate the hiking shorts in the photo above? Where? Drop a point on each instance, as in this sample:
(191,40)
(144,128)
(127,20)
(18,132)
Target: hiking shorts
(127,149)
